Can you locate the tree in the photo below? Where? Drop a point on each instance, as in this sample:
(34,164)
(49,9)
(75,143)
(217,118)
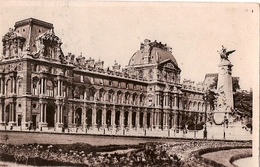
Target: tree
(235,84)
(243,104)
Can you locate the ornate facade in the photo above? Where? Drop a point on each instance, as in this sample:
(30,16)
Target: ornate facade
(43,88)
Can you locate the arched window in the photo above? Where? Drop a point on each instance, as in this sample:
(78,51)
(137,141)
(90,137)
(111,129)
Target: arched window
(76,93)
(49,89)
(35,86)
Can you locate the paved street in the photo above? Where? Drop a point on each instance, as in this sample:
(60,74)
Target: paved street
(214,132)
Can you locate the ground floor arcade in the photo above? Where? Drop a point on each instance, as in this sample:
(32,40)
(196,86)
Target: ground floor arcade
(93,116)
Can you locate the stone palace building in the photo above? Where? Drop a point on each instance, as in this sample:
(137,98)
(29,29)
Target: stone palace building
(41,87)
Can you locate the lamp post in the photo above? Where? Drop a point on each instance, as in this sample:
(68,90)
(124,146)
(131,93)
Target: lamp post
(205,126)
(225,123)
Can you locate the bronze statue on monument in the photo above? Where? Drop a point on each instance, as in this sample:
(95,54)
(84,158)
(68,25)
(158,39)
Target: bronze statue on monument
(224,53)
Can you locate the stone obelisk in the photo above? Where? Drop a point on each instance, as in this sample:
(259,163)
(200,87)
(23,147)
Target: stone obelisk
(224,87)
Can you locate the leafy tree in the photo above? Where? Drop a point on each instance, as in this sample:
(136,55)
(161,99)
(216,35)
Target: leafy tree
(243,104)
(235,84)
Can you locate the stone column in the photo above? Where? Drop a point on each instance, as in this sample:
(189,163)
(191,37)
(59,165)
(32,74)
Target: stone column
(122,118)
(85,94)
(61,113)
(137,118)
(83,119)
(94,113)
(9,114)
(70,121)
(44,110)
(1,86)
(145,119)
(180,118)
(13,84)
(58,90)
(61,88)
(113,115)
(41,112)
(42,86)
(104,116)
(175,101)
(130,119)
(2,120)
(151,119)
(164,120)
(57,115)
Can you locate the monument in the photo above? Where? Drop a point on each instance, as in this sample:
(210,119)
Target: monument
(224,88)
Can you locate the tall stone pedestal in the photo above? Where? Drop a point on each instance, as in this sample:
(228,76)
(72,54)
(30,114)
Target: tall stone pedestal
(225,92)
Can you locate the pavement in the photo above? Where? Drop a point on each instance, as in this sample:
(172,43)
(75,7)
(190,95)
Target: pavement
(233,132)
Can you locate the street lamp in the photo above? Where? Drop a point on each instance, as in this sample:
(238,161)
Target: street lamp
(225,123)
(205,126)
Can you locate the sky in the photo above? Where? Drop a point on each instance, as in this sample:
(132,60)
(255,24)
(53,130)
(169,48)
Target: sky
(112,31)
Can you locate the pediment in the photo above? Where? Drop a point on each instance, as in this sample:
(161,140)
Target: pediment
(169,64)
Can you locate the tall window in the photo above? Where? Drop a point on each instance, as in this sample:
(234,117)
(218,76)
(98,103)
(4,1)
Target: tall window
(35,91)
(49,89)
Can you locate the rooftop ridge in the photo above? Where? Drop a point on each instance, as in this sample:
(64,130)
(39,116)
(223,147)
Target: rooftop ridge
(33,21)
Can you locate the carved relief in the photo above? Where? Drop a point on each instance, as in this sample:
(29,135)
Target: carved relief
(48,46)
(12,44)
(13,67)
(169,65)
(44,68)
